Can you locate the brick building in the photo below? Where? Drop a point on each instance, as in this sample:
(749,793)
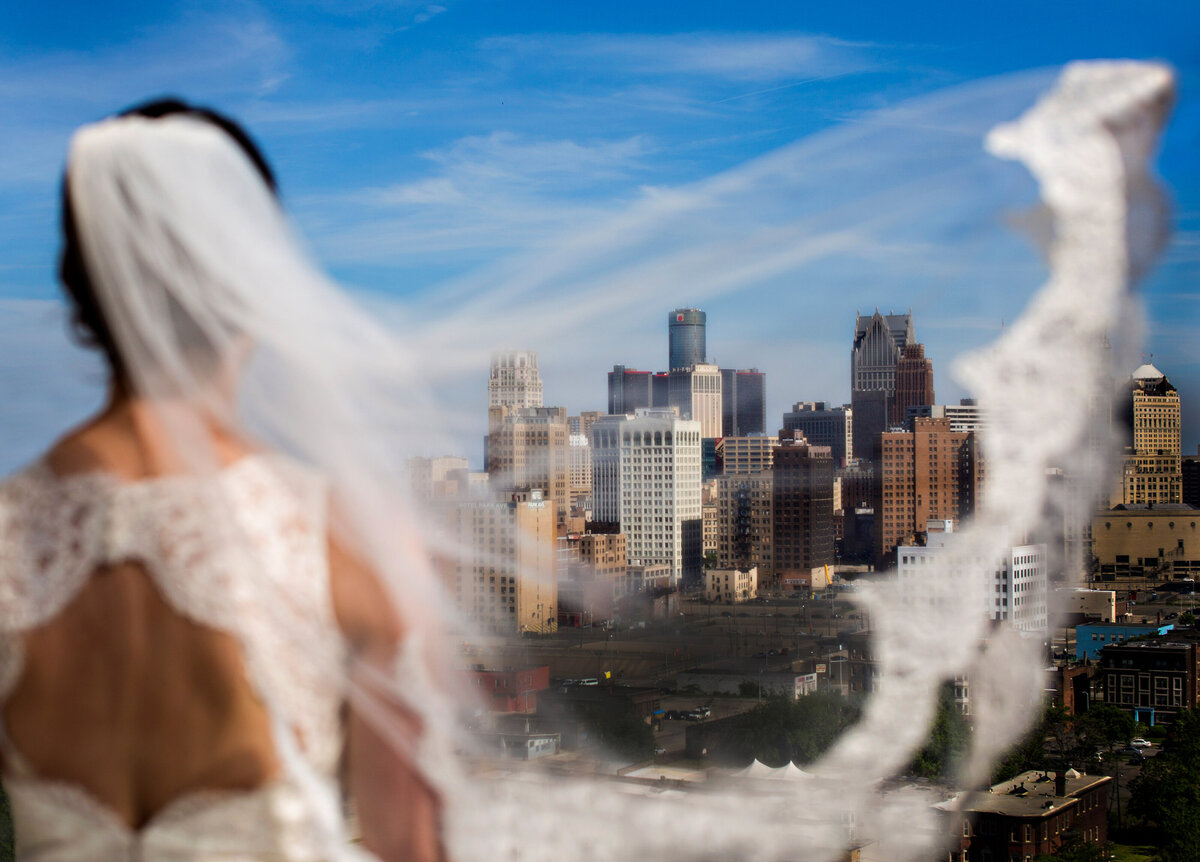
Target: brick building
(745,526)
(1031,814)
(914,383)
(1153,679)
(802,506)
(509,689)
(925,474)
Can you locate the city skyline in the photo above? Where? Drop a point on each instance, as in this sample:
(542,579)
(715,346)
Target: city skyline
(458,167)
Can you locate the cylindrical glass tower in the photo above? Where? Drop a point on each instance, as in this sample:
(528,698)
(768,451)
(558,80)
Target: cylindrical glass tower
(685,330)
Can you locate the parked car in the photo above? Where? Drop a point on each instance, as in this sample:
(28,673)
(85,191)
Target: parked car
(1135,756)
(672,715)
(1138,742)
(658,750)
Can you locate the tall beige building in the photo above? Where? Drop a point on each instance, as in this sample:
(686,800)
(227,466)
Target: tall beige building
(1152,471)
(580,458)
(582,424)
(503,578)
(514,380)
(696,392)
(528,447)
(435,477)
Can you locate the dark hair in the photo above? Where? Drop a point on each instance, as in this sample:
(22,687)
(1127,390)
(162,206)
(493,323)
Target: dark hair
(87,318)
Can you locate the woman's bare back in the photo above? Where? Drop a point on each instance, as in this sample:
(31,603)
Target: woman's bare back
(122,694)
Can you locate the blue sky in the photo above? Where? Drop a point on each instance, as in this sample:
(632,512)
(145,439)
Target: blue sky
(431,151)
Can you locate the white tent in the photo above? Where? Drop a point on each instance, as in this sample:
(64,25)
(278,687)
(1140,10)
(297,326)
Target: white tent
(791,772)
(758,769)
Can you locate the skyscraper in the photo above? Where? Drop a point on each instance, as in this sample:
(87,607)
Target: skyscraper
(685,338)
(824,426)
(529,447)
(514,380)
(745,528)
(503,580)
(696,392)
(646,478)
(914,383)
(580,452)
(879,342)
(1152,462)
(928,473)
(628,389)
(802,506)
(743,402)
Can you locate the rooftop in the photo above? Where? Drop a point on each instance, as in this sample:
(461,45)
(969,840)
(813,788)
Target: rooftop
(1031,794)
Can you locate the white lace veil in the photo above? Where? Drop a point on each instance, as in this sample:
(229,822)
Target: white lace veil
(209,294)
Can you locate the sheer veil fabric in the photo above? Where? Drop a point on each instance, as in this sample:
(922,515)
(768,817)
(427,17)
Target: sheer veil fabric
(224,322)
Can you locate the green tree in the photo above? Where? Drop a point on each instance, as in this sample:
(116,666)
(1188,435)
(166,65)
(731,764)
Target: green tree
(1050,743)
(618,729)
(1106,728)
(782,730)
(1077,851)
(948,739)
(1166,795)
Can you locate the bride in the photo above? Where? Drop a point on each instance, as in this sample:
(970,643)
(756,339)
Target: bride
(198,628)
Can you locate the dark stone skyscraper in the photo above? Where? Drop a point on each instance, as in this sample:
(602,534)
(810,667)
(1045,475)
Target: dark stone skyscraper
(743,402)
(802,505)
(879,342)
(628,389)
(823,425)
(685,338)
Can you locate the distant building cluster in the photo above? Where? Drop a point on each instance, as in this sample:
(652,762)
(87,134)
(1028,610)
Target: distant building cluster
(682,484)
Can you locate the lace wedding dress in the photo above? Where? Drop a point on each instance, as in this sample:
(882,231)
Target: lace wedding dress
(195,536)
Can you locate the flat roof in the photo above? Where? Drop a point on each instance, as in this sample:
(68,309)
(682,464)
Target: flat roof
(1031,794)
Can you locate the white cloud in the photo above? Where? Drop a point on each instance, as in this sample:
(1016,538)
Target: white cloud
(742,57)
(489,192)
(514,158)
